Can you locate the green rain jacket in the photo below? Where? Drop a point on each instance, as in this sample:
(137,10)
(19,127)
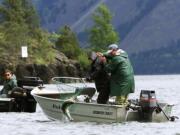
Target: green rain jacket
(9,85)
(122,75)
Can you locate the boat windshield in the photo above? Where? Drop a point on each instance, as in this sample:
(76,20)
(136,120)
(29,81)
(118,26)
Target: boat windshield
(69,83)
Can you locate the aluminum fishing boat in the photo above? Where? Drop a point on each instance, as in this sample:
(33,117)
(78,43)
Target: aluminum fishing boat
(73,98)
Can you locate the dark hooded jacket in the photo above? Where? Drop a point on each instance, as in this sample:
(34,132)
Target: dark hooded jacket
(101,79)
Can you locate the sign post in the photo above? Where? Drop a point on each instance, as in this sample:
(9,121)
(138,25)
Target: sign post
(24,51)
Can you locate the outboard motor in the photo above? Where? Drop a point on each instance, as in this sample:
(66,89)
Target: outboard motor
(148,104)
(24,101)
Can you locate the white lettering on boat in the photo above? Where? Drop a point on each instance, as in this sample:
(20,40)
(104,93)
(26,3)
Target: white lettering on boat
(102,112)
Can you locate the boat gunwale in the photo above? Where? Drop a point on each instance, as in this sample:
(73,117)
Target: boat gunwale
(60,100)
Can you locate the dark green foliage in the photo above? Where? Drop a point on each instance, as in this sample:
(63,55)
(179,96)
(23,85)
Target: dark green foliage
(68,43)
(19,26)
(19,11)
(102,33)
(83,59)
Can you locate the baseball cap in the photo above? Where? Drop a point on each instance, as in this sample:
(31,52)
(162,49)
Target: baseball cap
(113,46)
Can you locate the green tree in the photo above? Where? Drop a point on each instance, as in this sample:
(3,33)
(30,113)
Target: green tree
(19,11)
(102,33)
(19,26)
(68,43)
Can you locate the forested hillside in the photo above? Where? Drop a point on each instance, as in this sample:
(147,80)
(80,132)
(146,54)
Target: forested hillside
(146,28)
(141,24)
(20,27)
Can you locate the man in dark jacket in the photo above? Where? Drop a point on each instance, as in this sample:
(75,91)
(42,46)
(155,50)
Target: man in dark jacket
(102,79)
(122,75)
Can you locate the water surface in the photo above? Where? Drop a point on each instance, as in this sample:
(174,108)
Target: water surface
(167,89)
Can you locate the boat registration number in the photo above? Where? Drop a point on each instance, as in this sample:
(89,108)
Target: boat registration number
(102,112)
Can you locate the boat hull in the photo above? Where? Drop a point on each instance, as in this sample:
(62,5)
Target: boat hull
(81,111)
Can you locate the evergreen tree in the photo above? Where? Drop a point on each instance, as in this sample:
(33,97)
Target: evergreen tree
(19,11)
(68,43)
(102,33)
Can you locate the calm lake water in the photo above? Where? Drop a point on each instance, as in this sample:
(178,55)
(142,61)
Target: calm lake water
(167,89)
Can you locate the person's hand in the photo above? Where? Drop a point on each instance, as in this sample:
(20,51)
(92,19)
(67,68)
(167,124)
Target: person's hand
(99,54)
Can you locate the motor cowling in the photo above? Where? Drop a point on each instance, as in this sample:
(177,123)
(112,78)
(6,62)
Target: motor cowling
(24,101)
(148,101)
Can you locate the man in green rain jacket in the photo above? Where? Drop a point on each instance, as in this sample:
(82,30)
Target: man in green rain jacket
(122,75)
